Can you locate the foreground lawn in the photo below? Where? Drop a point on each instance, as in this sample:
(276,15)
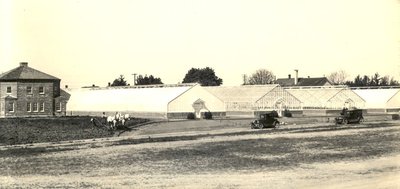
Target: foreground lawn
(165,163)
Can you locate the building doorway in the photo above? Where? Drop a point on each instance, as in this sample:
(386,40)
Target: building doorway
(279,106)
(198,106)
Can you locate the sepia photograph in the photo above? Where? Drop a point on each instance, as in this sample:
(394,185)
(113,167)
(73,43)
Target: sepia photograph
(200,94)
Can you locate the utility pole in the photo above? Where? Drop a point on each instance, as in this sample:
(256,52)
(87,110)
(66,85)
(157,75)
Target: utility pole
(134,79)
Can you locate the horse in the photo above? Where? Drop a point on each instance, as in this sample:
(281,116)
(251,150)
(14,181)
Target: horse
(127,117)
(112,121)
(124,118)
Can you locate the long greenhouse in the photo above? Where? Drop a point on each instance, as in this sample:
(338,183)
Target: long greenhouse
(386,99)
(252,98)
(332,97)
(161,101)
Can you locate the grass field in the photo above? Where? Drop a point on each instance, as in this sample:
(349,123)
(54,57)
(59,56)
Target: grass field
(36,130)
(218,155)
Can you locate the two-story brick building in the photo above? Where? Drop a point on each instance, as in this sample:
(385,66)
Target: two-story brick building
(26,92)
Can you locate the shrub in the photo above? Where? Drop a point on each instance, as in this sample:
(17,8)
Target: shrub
(207,115)
(190,116)
(274,113)
(287,113)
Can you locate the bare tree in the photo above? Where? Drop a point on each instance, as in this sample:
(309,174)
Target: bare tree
(338,78)
(261,77)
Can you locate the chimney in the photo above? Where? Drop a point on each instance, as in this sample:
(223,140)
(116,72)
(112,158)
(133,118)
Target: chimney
(296,78)
(23,64)
(289,76)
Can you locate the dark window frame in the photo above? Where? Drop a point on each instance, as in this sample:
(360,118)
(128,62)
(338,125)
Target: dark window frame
(41,90)
(29,90)
(9,90)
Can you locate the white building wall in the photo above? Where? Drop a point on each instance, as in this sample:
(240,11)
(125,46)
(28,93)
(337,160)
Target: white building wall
(184,102)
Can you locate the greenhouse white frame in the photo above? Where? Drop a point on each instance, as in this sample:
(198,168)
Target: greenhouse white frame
(327,97)
(160,101)
(380,98)
(252,98)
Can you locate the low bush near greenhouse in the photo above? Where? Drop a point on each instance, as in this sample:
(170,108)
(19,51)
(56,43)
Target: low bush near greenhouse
(207,115)
(191,116)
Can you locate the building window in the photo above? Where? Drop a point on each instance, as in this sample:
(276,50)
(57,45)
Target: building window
(28,107)
(41,90)
(10,107)
(58,107)
(28,90)
(8,90)
(41,107)
(35,107)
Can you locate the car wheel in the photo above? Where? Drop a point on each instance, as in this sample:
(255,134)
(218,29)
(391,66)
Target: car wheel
(360,120)
(260,126)
(345,121)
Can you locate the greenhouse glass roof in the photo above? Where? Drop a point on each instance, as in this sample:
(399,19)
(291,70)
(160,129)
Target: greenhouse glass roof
(376,98)
(246,93)
(123,99)
(320,96)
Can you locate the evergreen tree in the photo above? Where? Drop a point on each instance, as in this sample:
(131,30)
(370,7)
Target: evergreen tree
(119,81)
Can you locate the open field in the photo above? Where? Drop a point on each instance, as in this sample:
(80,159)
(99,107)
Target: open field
(36,130)
(228,155)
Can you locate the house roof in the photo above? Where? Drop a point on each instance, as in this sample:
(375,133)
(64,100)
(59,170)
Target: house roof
(316,81)
(23,72)
(245,93)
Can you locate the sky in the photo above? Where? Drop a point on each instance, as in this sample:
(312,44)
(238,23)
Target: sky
(87,42)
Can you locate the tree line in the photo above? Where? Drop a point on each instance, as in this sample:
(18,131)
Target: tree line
(340,78)
(204,76)
(207,77)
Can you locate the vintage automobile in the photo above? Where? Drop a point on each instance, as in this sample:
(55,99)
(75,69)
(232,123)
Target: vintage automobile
(350,116)
(265,120)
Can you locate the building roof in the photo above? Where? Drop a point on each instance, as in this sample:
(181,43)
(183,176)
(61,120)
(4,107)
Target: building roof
(64,95)
(23,72)
(245,93)
(316,81)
